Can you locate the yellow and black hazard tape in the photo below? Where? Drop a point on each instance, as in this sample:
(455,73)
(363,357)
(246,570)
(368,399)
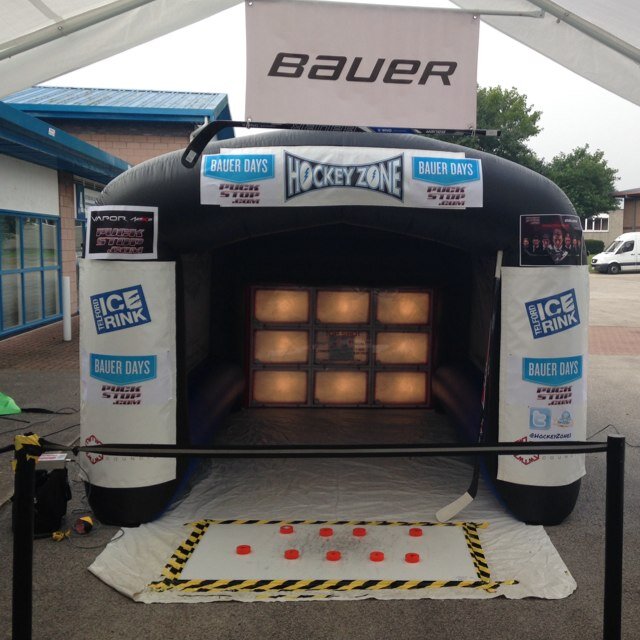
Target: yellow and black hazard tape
(172,571)
(476,551)
(355,523)
(31,445)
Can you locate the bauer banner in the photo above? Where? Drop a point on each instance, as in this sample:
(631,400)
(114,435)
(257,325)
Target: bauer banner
(122,232)
(543,384)
(326,176)
(341,64)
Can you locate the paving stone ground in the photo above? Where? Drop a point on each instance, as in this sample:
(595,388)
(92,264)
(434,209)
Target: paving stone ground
(41,350)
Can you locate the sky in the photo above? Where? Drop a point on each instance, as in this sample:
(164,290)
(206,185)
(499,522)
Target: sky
(210,56)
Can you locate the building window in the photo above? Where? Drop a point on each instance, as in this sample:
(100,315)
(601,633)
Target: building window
(598,222)
(30,268)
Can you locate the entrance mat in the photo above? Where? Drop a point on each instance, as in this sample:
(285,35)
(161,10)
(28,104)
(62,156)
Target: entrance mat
(161,560)
(301,558)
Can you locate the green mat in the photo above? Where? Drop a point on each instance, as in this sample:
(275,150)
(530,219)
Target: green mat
(8,405)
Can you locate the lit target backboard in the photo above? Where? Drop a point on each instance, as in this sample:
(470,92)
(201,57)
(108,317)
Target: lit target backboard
(340,347)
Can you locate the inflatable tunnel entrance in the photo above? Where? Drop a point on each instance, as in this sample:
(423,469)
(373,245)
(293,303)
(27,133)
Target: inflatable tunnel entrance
(359,297)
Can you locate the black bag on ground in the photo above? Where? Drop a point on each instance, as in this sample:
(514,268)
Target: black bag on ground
(52,492)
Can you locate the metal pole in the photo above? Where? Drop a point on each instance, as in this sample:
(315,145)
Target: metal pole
(612,622)
(23,529)
(66,309)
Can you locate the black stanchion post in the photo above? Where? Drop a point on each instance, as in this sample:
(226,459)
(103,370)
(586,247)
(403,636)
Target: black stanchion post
(613,539)
(23,527)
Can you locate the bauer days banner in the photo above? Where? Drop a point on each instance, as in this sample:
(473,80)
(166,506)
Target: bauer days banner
(325,176)
(543,369)
(342,64)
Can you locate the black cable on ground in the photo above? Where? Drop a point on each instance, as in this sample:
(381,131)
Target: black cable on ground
(29,425)
(611,426)
(77,424)
(65,411)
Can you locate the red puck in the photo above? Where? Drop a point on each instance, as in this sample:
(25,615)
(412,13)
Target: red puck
(415,532)
(359,532)
(326,532)
(243,549)
(286,528)
(291,554)
(376,556)
(333,555)
(412,558)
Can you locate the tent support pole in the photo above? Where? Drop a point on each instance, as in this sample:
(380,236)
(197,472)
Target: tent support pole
(23,530)
(612,619)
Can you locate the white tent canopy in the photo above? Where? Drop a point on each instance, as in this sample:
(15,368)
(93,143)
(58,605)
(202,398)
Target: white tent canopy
(43,39)
(597,39)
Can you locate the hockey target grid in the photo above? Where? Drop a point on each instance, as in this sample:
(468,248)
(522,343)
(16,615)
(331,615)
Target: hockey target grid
(320,588)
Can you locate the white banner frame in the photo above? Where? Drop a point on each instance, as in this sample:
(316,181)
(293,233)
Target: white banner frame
(343,64)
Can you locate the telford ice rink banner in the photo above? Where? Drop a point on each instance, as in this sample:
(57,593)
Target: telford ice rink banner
(355,64)
(127,368)
(324,176)
(543,376)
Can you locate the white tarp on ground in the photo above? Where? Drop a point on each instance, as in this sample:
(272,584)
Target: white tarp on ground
(598,39)
(392,489)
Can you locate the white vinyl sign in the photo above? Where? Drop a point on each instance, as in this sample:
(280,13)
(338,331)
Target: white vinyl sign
(324,176)
(128,368)
(355,64)
(543,368)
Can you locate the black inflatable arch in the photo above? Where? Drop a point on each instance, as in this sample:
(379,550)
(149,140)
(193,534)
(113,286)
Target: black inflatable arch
(452,250)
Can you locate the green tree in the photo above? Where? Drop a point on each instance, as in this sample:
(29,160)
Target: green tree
(586,178)
(583,175)
(508,111)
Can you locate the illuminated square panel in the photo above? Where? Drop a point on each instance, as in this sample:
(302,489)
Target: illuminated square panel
(280,387)
(402,348)
(340,387)
(285,347)
(342,347)
(344,307)
(403,307)
(401,387)
(281,305)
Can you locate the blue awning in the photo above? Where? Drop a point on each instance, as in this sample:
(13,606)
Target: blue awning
(35,141)
(129,105)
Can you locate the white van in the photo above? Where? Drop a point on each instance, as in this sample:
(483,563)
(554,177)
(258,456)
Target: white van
(622,255)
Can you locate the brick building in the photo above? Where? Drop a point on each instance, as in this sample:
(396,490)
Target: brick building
(631,208)
(58,148)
